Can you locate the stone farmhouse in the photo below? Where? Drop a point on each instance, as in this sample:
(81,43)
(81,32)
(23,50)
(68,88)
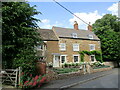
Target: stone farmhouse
(61,45)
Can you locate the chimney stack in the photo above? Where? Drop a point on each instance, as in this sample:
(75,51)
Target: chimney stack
(89,27)
(76,25)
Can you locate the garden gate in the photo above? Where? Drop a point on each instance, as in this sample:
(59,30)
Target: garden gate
(11,76)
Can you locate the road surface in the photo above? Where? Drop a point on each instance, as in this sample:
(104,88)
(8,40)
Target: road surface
(107,81)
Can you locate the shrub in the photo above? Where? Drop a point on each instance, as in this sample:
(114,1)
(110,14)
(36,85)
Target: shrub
(66,65)
(98,64)
(32,82)
(77,64)
(73,64)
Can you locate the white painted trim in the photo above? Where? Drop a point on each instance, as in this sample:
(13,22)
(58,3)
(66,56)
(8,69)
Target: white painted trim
(65,59)
(78,46)
(60,47)
(90,46)
(54,61)
(94,58)
(78,58)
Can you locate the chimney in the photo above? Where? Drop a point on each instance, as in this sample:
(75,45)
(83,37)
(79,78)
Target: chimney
(89,27)
(76,25)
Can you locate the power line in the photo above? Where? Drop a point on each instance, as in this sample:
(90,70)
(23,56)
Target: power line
(70,12)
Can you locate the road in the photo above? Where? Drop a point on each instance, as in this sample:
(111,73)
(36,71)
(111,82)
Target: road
(107,81)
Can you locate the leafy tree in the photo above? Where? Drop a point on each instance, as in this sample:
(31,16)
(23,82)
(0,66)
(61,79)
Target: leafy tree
(19,36)
(108,30)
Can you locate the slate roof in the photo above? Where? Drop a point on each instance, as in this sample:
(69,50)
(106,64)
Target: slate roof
(47,34)
(67,33)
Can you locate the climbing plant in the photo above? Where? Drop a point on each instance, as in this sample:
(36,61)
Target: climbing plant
(98,55)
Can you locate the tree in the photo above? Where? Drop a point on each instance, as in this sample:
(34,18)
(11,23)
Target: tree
(19,35)
(108,30)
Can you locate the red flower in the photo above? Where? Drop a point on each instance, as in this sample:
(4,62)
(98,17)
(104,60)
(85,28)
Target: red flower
(30,75)
(22,73)
(26,82)
(43,79)
(36,77)
(39,85)
(34,83)
(30,83)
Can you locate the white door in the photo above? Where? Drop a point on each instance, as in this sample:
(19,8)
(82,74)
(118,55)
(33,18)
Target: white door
(56,60)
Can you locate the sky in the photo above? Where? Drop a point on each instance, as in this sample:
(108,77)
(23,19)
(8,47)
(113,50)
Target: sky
(54,15)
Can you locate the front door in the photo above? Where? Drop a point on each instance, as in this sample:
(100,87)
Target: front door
(56,60)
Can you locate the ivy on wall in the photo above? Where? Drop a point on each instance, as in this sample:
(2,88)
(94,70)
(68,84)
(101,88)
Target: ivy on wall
(98,55)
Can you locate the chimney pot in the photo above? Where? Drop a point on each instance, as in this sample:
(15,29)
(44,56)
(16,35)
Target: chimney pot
(89,27)
(76,25)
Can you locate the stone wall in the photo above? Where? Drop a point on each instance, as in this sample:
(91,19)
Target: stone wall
(83,45)
(51,75)
(110,63)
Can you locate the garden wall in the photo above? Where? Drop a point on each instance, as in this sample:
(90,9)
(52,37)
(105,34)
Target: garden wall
(51,75)
(110,63)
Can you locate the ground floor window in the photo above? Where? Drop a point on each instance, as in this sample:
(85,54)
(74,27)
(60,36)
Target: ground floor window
(92,57)
(76,58)
(63,58)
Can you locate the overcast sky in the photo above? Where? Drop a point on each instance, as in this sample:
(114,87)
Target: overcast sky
(54,15)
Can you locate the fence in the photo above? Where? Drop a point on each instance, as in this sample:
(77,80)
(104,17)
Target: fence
(11,76)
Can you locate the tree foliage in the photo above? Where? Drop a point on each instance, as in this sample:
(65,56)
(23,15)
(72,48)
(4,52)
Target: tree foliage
(19,35)
(108,30)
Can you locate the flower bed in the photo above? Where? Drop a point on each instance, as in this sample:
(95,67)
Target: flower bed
(104,66)
(65,70)
(32,81)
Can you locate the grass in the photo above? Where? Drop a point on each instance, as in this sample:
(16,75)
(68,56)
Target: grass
(66,70)
(104,66)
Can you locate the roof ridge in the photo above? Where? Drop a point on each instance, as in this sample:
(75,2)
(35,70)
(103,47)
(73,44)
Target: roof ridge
(70,28)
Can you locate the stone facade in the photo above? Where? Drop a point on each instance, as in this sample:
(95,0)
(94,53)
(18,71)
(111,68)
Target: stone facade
(53,47)
(67,39)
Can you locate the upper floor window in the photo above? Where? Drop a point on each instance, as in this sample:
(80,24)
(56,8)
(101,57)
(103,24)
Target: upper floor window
(74,35)
(62,46)
(90,36)
(92,47)
(39,47)
(75,47)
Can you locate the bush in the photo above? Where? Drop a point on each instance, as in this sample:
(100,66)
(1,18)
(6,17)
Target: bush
(77,64)
(73,64)
(98,64)
(66,65)
(32,82)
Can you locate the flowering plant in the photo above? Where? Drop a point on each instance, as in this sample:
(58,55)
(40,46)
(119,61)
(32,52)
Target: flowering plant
(33,82)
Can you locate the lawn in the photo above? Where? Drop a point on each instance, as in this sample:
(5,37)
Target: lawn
(66,70)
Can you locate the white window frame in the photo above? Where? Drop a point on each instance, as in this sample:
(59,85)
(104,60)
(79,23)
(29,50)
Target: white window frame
(74,48)
(41,47)
(90,47)
(91,59)
(74,35)
(90,36)
(78,58)
(61,47)
(61,59)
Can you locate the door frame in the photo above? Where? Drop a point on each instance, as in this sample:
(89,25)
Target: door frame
(54,61)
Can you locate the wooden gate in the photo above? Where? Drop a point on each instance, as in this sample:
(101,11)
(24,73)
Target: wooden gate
(11,76)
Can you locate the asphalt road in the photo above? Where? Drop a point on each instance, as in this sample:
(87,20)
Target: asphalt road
(107,81)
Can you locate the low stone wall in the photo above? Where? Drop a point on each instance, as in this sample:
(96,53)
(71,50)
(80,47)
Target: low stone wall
(51,75)
(110,63)
(101,69)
